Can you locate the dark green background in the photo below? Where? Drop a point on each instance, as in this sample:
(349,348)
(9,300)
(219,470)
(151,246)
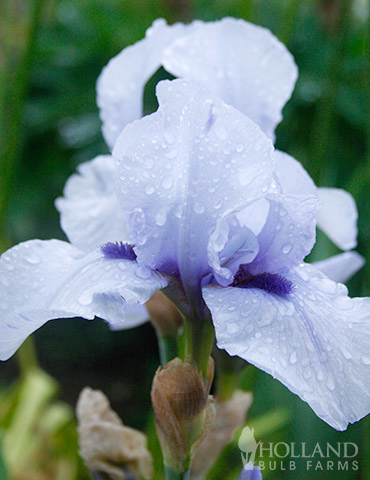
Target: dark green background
(51,55)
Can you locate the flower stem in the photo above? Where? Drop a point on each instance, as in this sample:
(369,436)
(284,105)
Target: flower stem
(172,475)
(167,345)
(199,339)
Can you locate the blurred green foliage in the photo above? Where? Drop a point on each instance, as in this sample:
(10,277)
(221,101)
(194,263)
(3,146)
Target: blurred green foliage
(51,53)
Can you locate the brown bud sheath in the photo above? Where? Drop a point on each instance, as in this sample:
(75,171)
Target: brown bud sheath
(106,445)
(179,398)
(230,415)
(163,314)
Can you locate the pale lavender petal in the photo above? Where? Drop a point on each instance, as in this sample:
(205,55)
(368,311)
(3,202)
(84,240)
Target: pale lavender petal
(44,280)
(340,268)
(120,87)
(315,340)
(250,472)
(90,214)
(242,63)
(288,234)
(292,177)
(135,315)
(338,217)
(229,245)
(181,169)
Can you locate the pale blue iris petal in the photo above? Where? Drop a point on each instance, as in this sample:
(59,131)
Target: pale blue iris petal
(230,245)
(315,340)
(342,267)
(288,234)
(44,280)
(184,167)
(90,214)
(120,87)
(135,315)
(242,63)
(337,216)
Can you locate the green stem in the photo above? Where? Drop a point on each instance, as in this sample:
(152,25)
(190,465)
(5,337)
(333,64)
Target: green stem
(172,475)
(167,345)
(199,339)
(228,373)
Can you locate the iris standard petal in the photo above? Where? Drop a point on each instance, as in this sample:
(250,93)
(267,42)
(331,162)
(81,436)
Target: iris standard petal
(183,167)
(120,87)
(338,217)
(342,267)
(315,340)
(288,234)
(90,214)
(44,280)
(244,64)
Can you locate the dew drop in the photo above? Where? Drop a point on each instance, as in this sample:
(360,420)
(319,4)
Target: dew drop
(142,272)
(286,248)
(293,358)
(199,207)
(239,148)
(160,218)
(149,189)
(85,299)
(330,384)
(365,360)
(171,154)
(32,258)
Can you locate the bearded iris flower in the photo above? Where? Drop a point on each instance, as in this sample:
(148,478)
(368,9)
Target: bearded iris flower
(250,69)
(204,214)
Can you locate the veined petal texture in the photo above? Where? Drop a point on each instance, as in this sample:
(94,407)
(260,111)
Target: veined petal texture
(90,214)
(182,168)
(44,280)
(120,87)
(242,63)
(314,340)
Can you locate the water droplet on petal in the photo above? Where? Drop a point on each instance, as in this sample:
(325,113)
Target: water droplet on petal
(149,189)
(293,358)
(160,218)
(85,299)
(330,384)
(167,182)
(32,258)
(365,360)
(142,272)
(198,207)
(286,248)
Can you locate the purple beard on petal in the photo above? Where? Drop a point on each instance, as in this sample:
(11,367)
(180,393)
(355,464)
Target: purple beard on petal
(118,250)
(270,282)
